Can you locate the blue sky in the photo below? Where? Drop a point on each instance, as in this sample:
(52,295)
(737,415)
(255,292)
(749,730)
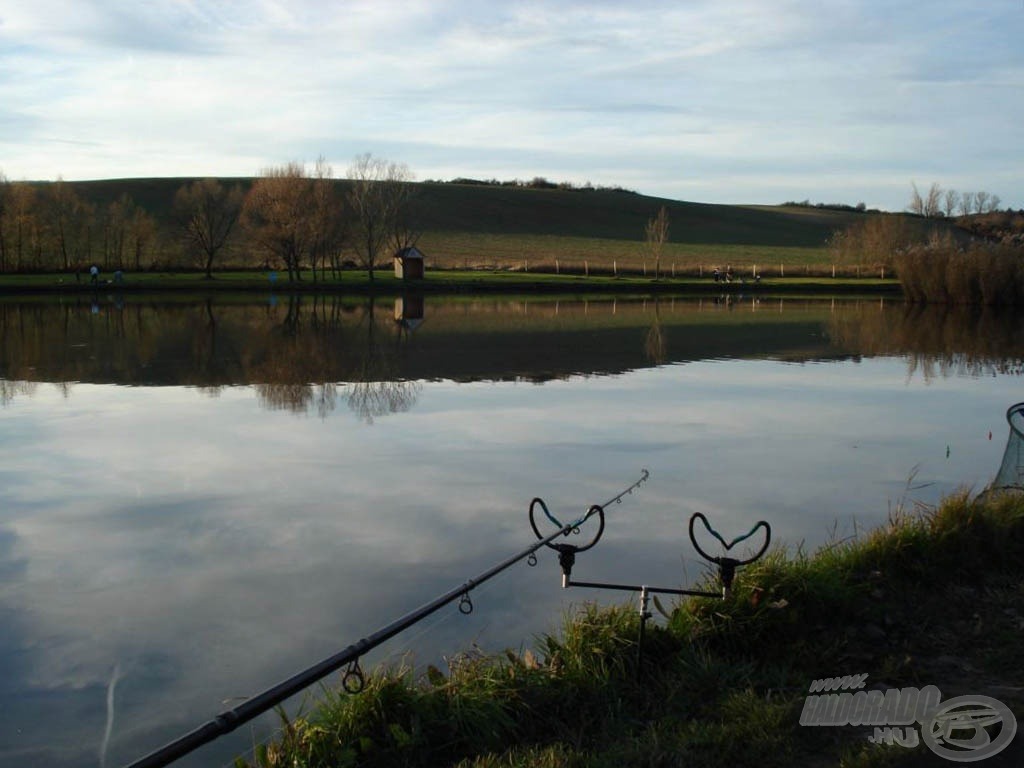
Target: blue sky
(737,102)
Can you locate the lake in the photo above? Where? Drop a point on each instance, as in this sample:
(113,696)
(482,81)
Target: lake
(201,497)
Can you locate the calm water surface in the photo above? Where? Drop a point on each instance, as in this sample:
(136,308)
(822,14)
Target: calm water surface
(198,499)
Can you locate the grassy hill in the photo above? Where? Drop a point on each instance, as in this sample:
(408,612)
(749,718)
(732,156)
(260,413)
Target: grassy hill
(506,210)
(496,226)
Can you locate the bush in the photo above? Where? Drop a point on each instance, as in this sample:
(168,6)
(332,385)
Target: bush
(872,242)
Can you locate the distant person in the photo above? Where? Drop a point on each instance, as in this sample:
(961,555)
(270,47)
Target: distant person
(94,274)
(718,275)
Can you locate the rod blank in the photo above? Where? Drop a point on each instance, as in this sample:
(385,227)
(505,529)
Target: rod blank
(229,720)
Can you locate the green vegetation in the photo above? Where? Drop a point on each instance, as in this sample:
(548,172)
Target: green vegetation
(136,224)
(564,282)
(321,232)
(930,598)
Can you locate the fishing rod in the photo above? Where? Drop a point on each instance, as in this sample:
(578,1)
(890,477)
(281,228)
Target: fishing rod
(354,680)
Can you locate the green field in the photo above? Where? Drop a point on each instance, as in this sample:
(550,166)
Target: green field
(476,228)
(483,226)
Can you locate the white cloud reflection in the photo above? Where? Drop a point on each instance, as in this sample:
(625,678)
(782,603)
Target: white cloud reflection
(208,547)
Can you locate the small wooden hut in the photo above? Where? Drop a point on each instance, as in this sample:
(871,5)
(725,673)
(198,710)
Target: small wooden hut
(409,263)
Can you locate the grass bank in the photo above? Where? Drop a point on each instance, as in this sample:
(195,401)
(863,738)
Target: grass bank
(565,281)
(932,598)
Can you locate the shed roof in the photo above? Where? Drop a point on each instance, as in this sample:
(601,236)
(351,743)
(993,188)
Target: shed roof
(412,252)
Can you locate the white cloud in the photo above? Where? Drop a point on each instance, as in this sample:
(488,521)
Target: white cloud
(578,90)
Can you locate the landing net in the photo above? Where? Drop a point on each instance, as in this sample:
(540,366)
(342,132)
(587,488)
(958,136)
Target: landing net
(1011,472)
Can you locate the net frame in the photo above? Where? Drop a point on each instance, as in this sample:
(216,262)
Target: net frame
(1011,471)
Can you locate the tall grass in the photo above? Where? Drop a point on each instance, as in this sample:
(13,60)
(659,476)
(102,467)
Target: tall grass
(722,683)
(941,272)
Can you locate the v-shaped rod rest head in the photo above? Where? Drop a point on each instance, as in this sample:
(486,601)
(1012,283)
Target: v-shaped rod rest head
(732,562)
(595,509)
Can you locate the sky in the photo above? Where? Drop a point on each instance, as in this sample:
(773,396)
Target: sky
(722,101)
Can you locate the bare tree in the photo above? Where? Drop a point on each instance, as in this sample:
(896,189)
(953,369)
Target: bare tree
(24,238)
(966,201)
(117,231)
(993,203)
(327,225)
(657,233)
(933,203)
(916,201)
(378,200)
(143,231)
(875,240)
(207,213)
(951,201)
(67,219)
(980,201)
(930,205)
(277,210)
(5,187)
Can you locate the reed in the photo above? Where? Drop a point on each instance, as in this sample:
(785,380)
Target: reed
(982,273)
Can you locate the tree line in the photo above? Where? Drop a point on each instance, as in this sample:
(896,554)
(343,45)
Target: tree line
(290,218)
(537,182)
(939,203)
(53,228)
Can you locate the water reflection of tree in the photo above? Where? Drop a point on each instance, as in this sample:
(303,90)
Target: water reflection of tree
(371,399)
(12,389)
(302,355)
(315,346)
(937,340)
(377,388)
(656,344)
(294,352)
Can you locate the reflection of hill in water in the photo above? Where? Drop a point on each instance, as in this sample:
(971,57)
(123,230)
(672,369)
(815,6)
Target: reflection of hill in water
(318,339)
(285,348)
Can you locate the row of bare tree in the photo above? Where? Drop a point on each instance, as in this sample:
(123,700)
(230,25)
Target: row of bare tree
(54,228)
(290,218)
(938,202)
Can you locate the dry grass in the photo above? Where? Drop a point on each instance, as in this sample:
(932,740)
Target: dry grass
(942,272)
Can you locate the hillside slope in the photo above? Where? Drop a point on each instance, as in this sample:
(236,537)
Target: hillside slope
(501,210)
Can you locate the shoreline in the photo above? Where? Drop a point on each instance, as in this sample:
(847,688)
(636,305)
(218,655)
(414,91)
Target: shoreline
(441,282)
(721,682)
